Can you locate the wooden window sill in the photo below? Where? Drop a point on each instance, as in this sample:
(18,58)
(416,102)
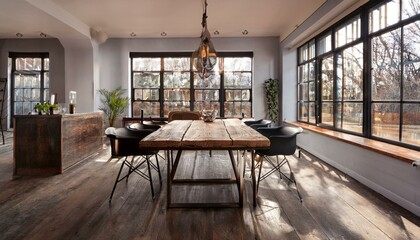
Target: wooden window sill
(397,152)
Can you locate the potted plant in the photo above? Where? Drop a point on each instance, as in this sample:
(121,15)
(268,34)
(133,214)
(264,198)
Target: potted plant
(113,103)
(272,97)
(45,108)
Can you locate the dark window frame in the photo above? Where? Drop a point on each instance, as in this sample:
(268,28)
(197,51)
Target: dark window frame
(365,38)
(222,90)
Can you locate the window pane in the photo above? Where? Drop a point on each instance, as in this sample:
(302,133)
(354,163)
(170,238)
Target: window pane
(312,49)
(303,111)
(18,108)
(206,95)
(149,109)
(146,80)
(352,117)
(20,63)
(37,64)
(303,92)
(386,120)
(18,81)
(327,76)
(238,64)
(211,82)
(19,95)
(411,124)
(311,91)
(384,16)
(348,33)
(410,8)
(324,44)
(176,64)
(236,109)
(46,64)
(198,106)
(386,60)
(311,71)
(237,80)
(411,79)
(146,64)
(36,95)
(303,53)
(353,73)
(312,115)
(176,95)
(176,80)
(146,94)
(175,106)
(47,80)
(327,113)
(303,73)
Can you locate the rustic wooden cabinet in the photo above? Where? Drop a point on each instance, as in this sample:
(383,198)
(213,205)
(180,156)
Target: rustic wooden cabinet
(49,144)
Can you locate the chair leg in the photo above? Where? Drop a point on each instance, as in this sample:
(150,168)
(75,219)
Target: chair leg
(116,181)
(259,173)
(130,169)
(150,176)
(277,160)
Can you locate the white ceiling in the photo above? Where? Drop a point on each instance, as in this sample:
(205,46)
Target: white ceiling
(149,18)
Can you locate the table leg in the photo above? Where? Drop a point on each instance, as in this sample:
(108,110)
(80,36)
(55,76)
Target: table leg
(168,180)
(237,177)
(254,185)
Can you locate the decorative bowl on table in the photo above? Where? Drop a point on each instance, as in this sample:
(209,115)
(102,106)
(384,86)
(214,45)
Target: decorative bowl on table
(208,115)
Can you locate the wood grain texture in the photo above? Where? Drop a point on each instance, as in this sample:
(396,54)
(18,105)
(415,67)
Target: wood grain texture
(197,134)
(74,205)
(167,137)
(50,144)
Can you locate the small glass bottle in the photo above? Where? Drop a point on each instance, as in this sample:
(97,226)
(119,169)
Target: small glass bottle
(72,105)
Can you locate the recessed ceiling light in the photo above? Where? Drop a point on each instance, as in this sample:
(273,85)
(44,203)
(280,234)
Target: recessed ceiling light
(216,32)
(19,35)
(163,34)
(245,32)
(132,34)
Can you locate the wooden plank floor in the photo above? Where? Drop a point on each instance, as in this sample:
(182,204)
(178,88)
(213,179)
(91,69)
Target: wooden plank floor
(74,205)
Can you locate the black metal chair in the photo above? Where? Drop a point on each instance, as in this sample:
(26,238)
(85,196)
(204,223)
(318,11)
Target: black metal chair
(282,142)
(125,143)
(255,124)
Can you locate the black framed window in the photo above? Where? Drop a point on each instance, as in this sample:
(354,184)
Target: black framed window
(164,82)
(306,83)
(367,69)
(30,81)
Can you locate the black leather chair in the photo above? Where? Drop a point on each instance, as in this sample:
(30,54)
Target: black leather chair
(258,123)
(282,142)
(255,124)
(125,143)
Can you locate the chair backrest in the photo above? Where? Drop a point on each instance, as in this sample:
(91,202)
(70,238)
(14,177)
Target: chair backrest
(183,115)
(282,140)
(258,123)
(141,126)
(125,142)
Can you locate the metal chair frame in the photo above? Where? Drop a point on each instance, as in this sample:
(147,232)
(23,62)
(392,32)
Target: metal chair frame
(132,137)
(285,138)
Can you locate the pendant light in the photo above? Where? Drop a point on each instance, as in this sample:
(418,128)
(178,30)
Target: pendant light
(205,57)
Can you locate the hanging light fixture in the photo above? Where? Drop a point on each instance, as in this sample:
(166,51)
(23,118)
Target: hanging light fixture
(204,58)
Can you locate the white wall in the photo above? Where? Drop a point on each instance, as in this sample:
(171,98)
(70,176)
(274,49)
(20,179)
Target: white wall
(114,60)
(393,178)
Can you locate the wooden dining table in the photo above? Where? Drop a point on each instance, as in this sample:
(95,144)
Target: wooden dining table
(221,134)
